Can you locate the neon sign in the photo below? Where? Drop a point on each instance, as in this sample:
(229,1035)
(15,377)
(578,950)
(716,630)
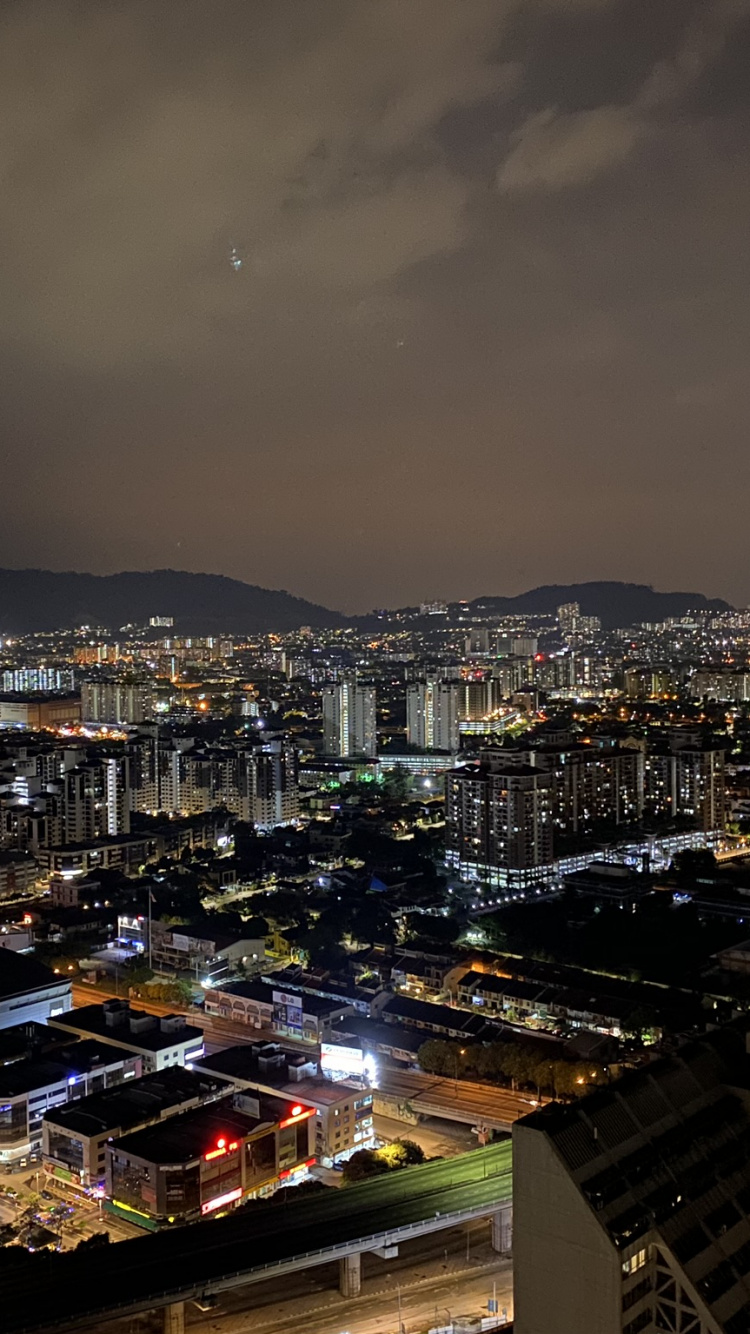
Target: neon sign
(221,1149)
(299,1113)
(230,1196)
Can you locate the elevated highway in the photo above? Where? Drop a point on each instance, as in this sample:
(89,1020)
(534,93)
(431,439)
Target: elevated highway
(60,1294)
(463,1100)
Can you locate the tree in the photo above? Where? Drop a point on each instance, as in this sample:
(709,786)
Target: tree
(362,1165)
(436,1057)
(402,1153)
(433,930)
(372,923)
(396,783)
(139,973)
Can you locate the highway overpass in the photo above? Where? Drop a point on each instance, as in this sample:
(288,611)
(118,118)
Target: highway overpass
(60,1294)
(463,1100)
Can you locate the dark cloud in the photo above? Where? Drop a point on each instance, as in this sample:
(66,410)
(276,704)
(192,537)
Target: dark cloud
(491,314)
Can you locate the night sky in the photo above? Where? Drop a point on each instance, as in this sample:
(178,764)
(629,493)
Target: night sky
(492,323)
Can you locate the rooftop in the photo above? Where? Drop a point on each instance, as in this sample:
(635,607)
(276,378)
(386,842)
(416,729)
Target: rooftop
(81,1058)
(263,992)
(19,975)
(191,1134)
(133,1028)
(136,1103)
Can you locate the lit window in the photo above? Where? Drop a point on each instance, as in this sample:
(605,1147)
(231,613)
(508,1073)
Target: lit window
(635,1262)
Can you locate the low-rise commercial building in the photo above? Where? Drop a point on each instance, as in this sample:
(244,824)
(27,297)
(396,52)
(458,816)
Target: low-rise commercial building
(203,951)
(160,1041)
(36,712)
(343,1108)
(121,852)
(30,991)
(442,1021)
(289,1014)
(32,1084)
(208,1161)
(74,1137)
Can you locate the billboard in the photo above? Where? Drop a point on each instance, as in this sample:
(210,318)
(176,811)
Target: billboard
(341,1060)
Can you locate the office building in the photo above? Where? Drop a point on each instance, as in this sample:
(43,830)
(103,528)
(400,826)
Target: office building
(432,715)
(499,823)
(349,720)
(343,1107)
(44,1075)
(206,1162)
(634,1203)
(30,991)
(164,1041)
(75,1136)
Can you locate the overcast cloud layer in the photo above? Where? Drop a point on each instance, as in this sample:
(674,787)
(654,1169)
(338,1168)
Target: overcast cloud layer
(492,325)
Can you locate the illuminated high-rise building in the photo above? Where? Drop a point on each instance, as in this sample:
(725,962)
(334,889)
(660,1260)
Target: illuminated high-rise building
(432,715)
(349,721)
(499,823)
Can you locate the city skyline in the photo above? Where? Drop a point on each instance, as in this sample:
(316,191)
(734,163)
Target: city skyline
(362,301)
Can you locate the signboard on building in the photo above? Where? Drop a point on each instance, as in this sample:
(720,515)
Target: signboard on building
(336,1059)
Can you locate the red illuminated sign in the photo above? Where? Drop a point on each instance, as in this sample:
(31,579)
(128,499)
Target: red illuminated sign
(287,1171)
(299,1113)
(221,1148)
(231,1195)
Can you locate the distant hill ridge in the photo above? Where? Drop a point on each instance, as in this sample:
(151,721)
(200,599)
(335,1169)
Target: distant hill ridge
(39,600)
(617,604)
(33,600)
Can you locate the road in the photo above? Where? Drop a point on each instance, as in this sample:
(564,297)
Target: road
(439,1139)
(454,1271)
(431,1095)
(219,1033)
(86,1219)
(456,1100)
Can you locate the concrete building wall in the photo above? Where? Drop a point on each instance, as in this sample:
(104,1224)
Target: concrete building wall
(556,1239)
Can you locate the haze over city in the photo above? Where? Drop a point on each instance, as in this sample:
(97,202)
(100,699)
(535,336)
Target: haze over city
(374,667)
(377,301)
